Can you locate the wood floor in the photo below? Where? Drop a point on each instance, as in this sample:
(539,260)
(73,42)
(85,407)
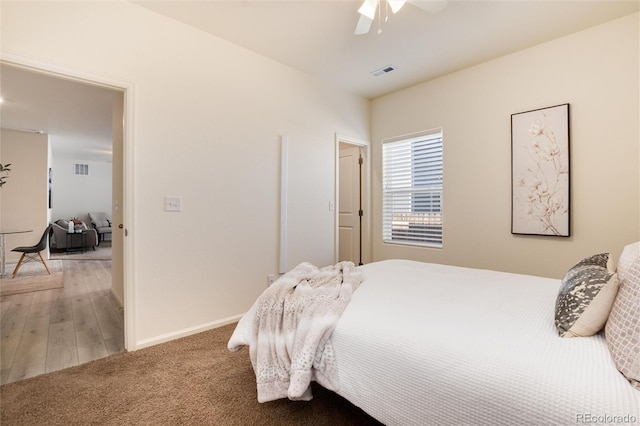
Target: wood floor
(45,331)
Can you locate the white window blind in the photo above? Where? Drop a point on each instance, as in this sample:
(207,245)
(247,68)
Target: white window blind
(412,189)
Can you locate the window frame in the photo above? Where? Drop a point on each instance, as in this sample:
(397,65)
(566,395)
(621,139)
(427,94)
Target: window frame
(402,197)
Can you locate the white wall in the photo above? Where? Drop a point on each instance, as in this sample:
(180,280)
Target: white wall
(207,120)
(77,195)
(23,198)
(596,71)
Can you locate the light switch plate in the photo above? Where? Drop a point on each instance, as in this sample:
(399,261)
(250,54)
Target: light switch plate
(172,204)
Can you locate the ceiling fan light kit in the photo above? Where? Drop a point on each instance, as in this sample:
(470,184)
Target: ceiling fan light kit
(368,11)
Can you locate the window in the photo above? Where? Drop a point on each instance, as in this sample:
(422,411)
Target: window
(412,189)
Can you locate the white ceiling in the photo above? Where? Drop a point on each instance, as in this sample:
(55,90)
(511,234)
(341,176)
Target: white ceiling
(314,36)
(76,116)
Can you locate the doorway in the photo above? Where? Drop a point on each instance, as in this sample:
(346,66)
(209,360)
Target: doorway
(352,200)
(350,210)
(117,110)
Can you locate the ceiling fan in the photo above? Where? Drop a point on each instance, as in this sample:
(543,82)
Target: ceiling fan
(368,11)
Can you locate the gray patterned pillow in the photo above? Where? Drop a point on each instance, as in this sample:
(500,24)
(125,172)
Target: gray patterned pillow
(586,295)
(623,328)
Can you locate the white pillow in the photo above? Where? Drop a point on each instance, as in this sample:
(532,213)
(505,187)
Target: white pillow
(623,327)
(629,254)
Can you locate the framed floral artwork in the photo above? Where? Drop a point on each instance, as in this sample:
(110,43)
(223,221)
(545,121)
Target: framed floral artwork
(540,175)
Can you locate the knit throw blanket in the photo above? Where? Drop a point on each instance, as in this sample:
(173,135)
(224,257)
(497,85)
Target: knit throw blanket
(288,330)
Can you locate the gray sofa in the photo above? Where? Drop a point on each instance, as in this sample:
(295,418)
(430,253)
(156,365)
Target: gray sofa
(60,240)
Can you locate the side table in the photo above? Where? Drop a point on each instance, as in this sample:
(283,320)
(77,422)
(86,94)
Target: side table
(83,241)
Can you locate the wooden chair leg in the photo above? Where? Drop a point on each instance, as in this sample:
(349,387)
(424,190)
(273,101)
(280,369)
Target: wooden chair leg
(44,263)
(15,271)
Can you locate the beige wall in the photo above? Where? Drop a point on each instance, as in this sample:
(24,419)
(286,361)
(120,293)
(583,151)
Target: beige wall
(23,198)
(596,71)
(207,120)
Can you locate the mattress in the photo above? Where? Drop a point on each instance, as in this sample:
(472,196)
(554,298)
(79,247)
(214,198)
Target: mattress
(427,344)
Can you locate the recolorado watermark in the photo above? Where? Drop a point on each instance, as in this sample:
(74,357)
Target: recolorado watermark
(607,419)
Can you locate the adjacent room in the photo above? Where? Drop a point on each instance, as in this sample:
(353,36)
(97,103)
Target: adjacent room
(453,165)
(61,133)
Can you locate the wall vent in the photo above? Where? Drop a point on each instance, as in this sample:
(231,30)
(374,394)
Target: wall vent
(81,169)
(383,70)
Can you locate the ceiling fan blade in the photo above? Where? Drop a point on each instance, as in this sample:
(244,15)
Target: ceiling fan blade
(396,5)
(430,6)
(363,26)
(368,8)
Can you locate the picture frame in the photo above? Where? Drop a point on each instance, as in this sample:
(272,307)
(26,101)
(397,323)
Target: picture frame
(540,172)
(50,195)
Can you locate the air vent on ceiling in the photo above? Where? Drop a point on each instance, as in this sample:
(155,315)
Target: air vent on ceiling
(81,169)
(383,70)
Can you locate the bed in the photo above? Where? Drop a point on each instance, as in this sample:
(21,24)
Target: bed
(427,344)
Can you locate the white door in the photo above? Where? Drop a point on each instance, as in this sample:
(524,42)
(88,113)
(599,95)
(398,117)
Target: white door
(349,203)
(117,196)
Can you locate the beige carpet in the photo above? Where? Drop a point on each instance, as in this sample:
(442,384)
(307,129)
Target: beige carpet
(102,252)
(32,276)
(190,381)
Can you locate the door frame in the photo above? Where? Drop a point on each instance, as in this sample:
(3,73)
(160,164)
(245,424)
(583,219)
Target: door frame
(127,88)
(365,229)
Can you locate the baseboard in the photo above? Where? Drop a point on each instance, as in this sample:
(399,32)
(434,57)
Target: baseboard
(117,298)
(186,332)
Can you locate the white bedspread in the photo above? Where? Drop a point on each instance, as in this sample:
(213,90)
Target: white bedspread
(288,330)
(427,344)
